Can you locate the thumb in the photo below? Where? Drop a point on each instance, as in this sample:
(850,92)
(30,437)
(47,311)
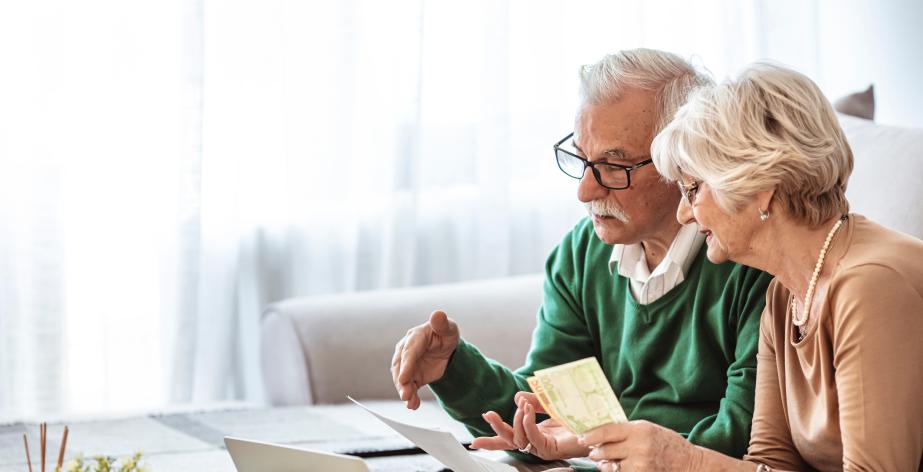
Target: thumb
(441,324)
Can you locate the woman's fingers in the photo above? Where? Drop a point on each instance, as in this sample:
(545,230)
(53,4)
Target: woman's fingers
(531,399)
(545,446)
(492,443)
(497,424)
(519,434)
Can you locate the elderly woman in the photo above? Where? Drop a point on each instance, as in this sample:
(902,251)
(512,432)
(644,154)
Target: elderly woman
(763,164)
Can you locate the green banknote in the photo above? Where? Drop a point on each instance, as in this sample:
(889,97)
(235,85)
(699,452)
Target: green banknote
(578,395)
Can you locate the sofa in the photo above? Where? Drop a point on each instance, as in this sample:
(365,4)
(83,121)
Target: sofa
(319,349)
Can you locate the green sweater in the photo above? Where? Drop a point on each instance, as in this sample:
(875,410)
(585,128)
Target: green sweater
(687,361)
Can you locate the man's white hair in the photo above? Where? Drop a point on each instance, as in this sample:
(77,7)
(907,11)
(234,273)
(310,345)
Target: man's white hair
(671,77)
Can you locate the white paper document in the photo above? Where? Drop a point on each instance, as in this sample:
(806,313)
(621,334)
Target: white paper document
(443,446)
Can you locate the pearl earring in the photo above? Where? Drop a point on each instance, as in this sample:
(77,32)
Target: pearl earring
(764,215)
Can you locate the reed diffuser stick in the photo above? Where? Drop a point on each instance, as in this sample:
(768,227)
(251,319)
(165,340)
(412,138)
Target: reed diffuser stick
(43,431)
(25,441)
(61,453)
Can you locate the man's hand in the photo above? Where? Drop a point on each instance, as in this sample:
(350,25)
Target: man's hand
(549,439)
(422,356)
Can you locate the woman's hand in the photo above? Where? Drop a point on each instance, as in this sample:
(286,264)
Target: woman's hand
(640,446)
(549,440)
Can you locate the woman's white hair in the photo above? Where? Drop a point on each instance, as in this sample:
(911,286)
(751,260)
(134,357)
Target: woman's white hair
(671,77)
(770,128)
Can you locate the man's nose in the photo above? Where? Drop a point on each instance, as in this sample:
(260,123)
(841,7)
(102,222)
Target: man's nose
(589,188)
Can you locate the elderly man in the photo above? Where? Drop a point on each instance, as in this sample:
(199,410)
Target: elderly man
(675,334)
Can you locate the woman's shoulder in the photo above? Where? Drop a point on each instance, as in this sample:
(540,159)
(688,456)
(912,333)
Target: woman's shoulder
(773,318)
(775,290)
(880,274)
(875,252)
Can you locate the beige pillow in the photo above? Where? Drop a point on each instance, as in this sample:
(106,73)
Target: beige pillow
(859,104)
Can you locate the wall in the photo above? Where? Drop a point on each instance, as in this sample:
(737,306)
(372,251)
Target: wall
(880,42)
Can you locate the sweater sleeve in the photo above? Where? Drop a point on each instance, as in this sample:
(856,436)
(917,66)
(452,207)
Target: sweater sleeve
(879,373)
(728,430)
(474,384)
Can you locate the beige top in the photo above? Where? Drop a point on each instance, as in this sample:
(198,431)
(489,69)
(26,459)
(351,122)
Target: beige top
(849,396)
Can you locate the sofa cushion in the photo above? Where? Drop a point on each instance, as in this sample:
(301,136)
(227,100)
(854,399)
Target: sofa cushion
(886,183)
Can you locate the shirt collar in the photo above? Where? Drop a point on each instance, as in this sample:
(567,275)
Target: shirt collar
(632,264)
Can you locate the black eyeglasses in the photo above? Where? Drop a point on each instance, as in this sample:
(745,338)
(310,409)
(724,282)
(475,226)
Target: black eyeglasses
(689,191)
(609,175)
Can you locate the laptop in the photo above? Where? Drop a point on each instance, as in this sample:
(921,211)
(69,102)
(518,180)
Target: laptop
(254,456)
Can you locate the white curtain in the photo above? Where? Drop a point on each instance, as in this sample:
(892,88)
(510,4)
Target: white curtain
(99,120)
(168,168)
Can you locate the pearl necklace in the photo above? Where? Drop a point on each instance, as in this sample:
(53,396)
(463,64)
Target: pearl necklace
(809,296)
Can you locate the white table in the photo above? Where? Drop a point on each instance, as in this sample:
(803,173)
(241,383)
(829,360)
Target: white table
(194,440)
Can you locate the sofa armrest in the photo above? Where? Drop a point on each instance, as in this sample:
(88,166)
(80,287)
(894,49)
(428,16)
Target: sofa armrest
(319,349)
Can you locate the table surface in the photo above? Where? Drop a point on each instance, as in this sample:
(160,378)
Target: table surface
(195,440)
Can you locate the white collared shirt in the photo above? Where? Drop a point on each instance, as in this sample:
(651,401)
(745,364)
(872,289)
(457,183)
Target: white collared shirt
(648,286)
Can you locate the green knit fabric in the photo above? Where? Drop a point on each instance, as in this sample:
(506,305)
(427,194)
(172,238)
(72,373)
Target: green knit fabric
(687,361)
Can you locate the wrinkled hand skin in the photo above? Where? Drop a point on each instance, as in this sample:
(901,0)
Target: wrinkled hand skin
(550,440)
(422,355)
(641,446)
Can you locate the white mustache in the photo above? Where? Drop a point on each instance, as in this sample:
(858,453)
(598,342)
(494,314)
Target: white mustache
(604,208)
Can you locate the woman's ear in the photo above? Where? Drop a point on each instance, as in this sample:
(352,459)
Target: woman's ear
(764,199)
